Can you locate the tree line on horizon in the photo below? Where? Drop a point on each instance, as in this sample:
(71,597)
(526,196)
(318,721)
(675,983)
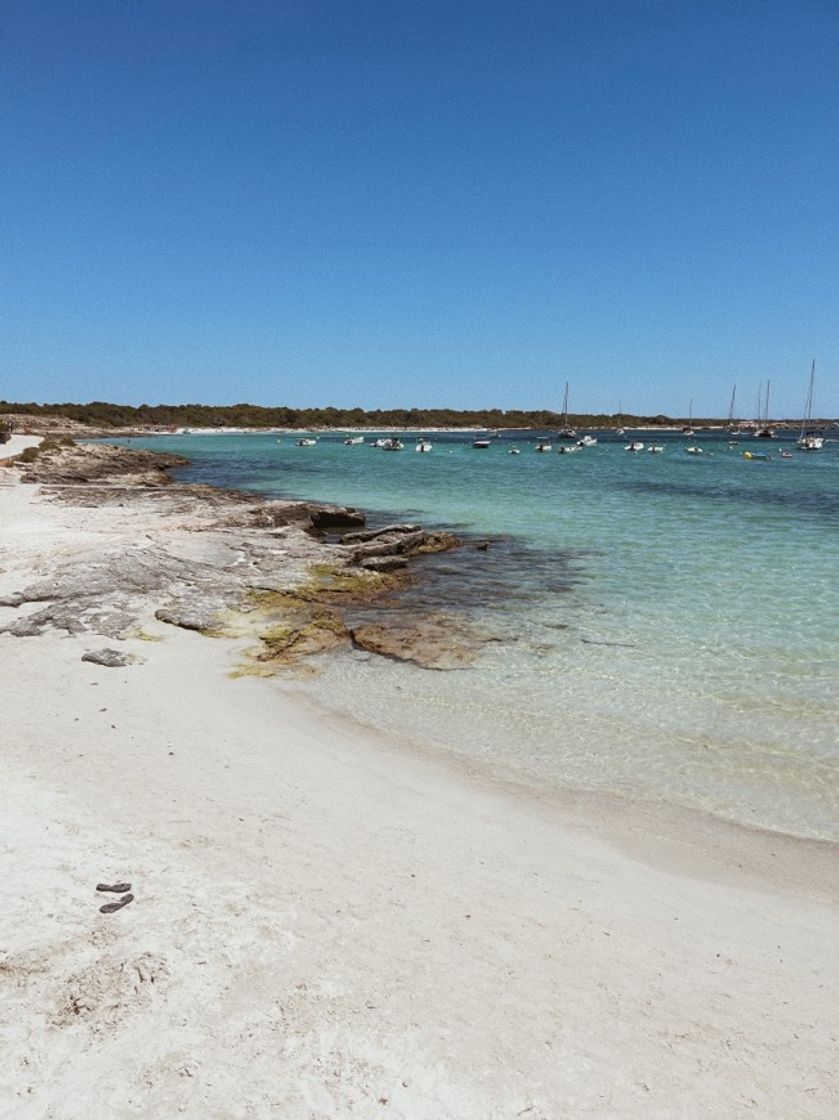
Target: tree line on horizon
(102,414)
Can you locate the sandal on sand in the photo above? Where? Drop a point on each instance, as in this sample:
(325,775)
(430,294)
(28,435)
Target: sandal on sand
(117,888)
(112,907)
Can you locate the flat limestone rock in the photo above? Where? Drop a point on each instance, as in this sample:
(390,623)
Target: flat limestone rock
(215,561)
(102,463)
(195,615)
(112,658)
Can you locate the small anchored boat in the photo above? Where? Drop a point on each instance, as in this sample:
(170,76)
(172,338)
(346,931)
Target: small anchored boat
(423,445)
(306,442)
(636,445)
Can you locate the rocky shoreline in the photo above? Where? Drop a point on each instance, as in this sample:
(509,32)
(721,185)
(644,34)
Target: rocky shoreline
(286,574)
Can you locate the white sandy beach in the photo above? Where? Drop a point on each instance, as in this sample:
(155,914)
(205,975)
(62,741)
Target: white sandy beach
(331,924)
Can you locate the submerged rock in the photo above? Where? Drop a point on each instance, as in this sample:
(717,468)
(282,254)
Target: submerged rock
(428,645)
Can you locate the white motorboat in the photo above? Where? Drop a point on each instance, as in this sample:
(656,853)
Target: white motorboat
(306,442)
(544,445)
(514,451)
(423,445)
(587,441)
(568,448)
(392,444)
(694,450)
(636,445)
(481,444)
(655,449)
(351,441)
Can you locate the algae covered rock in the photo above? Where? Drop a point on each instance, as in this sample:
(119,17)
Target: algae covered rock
(314,632)
(429,645)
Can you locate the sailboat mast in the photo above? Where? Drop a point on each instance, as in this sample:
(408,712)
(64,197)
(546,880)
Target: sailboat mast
(731,405)
(808,404)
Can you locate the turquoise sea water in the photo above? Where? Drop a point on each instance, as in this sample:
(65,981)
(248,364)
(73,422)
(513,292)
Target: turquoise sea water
(669,623)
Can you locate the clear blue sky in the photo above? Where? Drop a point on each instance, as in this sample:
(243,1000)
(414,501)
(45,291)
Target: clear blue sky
(453,203)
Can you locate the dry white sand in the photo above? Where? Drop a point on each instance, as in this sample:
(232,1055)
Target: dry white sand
(15,444)
(328,924)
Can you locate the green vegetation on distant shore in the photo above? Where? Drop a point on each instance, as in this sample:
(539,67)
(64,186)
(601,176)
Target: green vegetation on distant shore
(100,414)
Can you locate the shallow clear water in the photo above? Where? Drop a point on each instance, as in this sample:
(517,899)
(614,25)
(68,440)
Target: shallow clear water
(670,622)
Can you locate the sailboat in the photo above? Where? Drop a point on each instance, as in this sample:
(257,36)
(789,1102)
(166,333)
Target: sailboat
(734,429)
(620,430)
(764,430)
(688,429)
(807,440)
(565,432)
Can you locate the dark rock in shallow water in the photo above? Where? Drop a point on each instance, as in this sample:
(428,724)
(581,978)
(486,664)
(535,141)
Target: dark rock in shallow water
(402,541)
(389,544)
(383,563)
(111,658)
(336,517)
(360,536)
